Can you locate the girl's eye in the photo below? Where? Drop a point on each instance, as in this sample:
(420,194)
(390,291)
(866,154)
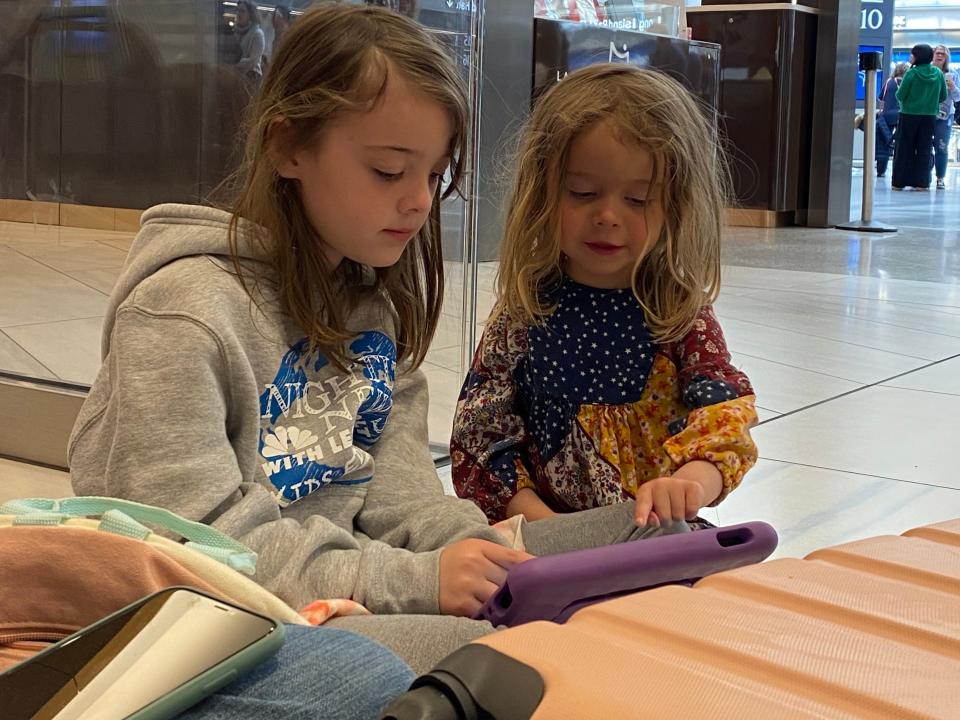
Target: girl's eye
(639,202)
(581,195)
(436,177)
(388,176)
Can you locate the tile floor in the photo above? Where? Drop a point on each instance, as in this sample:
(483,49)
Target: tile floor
(852,342)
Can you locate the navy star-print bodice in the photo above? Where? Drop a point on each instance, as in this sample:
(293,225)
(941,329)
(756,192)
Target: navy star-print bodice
(595,348)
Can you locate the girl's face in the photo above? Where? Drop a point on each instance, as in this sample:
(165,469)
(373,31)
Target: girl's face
(243,16)
(610,211)
(368,183)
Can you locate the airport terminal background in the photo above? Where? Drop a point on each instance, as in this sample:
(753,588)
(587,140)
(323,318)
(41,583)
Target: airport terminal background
(851,339)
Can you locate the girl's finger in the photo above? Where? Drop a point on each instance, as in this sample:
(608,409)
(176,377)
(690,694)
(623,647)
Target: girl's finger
(661,503)
(482,593)
(644,504)
(694,500)
(678,503)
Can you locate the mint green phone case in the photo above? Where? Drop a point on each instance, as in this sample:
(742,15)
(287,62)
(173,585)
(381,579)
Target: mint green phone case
(193,691)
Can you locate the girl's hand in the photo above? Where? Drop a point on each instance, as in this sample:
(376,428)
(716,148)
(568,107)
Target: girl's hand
(471,571)
(668,499)
(693,485)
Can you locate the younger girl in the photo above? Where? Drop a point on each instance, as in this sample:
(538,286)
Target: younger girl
(602,374)
(260,364)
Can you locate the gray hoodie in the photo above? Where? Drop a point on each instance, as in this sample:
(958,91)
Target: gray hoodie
(211,405)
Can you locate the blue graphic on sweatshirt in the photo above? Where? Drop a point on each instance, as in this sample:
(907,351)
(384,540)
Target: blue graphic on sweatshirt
(378,356)
(316,432)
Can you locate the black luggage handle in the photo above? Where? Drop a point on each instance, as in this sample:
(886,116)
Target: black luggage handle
(472,683)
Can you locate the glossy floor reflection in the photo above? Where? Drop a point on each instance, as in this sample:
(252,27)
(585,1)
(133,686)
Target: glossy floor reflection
(925,247)
(852,342)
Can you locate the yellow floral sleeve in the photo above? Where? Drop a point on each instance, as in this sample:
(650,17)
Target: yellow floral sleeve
(720,434)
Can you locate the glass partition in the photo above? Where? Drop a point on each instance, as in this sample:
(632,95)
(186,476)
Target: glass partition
(562,47)
(110,106)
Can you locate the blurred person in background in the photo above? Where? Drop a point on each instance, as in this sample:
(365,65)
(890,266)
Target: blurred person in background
(944,121)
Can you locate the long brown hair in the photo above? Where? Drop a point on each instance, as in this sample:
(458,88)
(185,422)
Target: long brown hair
(336,59)
(681,272)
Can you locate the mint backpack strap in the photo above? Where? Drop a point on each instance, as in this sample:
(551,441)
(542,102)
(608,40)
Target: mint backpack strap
(119,523)
(124,517)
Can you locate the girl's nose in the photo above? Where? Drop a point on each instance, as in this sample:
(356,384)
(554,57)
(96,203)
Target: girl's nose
(418,198)
(606,216)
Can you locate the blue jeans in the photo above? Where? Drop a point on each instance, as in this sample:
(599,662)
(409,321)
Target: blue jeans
(941,141)
(318,673)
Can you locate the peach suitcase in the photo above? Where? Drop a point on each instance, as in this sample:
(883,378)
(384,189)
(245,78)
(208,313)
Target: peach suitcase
(869,629)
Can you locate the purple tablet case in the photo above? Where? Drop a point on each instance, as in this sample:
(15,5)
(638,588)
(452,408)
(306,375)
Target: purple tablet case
(553,587)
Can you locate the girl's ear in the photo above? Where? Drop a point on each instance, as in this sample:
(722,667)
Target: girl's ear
(279,148)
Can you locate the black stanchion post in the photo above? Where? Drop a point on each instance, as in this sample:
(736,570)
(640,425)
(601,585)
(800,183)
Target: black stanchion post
(869,63)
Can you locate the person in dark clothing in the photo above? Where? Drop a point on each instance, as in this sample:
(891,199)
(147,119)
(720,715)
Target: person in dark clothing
(920,94)
(281,21)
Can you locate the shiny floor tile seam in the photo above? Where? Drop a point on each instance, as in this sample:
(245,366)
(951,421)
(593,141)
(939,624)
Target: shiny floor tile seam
(434,365)
(866,386)
(821,337)
(840,282)
(802,277)
(110,244)
(872,476)
(28,354)
(78,280)
(739,291)
(745,290)
(794,278)
(849,296)
(49,322)
(887,384)
(814,286)
(739,353)
(833,306)
(61,272)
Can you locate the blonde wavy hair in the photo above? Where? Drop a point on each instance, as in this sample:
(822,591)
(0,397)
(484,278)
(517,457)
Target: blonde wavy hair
(336,59)
(681,272)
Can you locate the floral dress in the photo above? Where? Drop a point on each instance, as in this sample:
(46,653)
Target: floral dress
(587,406)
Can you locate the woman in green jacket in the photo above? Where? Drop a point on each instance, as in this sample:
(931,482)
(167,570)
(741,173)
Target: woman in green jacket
(920,94)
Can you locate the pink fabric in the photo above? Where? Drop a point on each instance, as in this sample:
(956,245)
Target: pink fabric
(56,580)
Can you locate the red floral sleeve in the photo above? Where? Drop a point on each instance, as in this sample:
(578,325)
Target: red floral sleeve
(489,446)
(702,355)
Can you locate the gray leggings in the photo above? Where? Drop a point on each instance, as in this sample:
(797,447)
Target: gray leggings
(424,640)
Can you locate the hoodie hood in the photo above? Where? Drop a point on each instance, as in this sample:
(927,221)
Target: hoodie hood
(927,73)
(168,233)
